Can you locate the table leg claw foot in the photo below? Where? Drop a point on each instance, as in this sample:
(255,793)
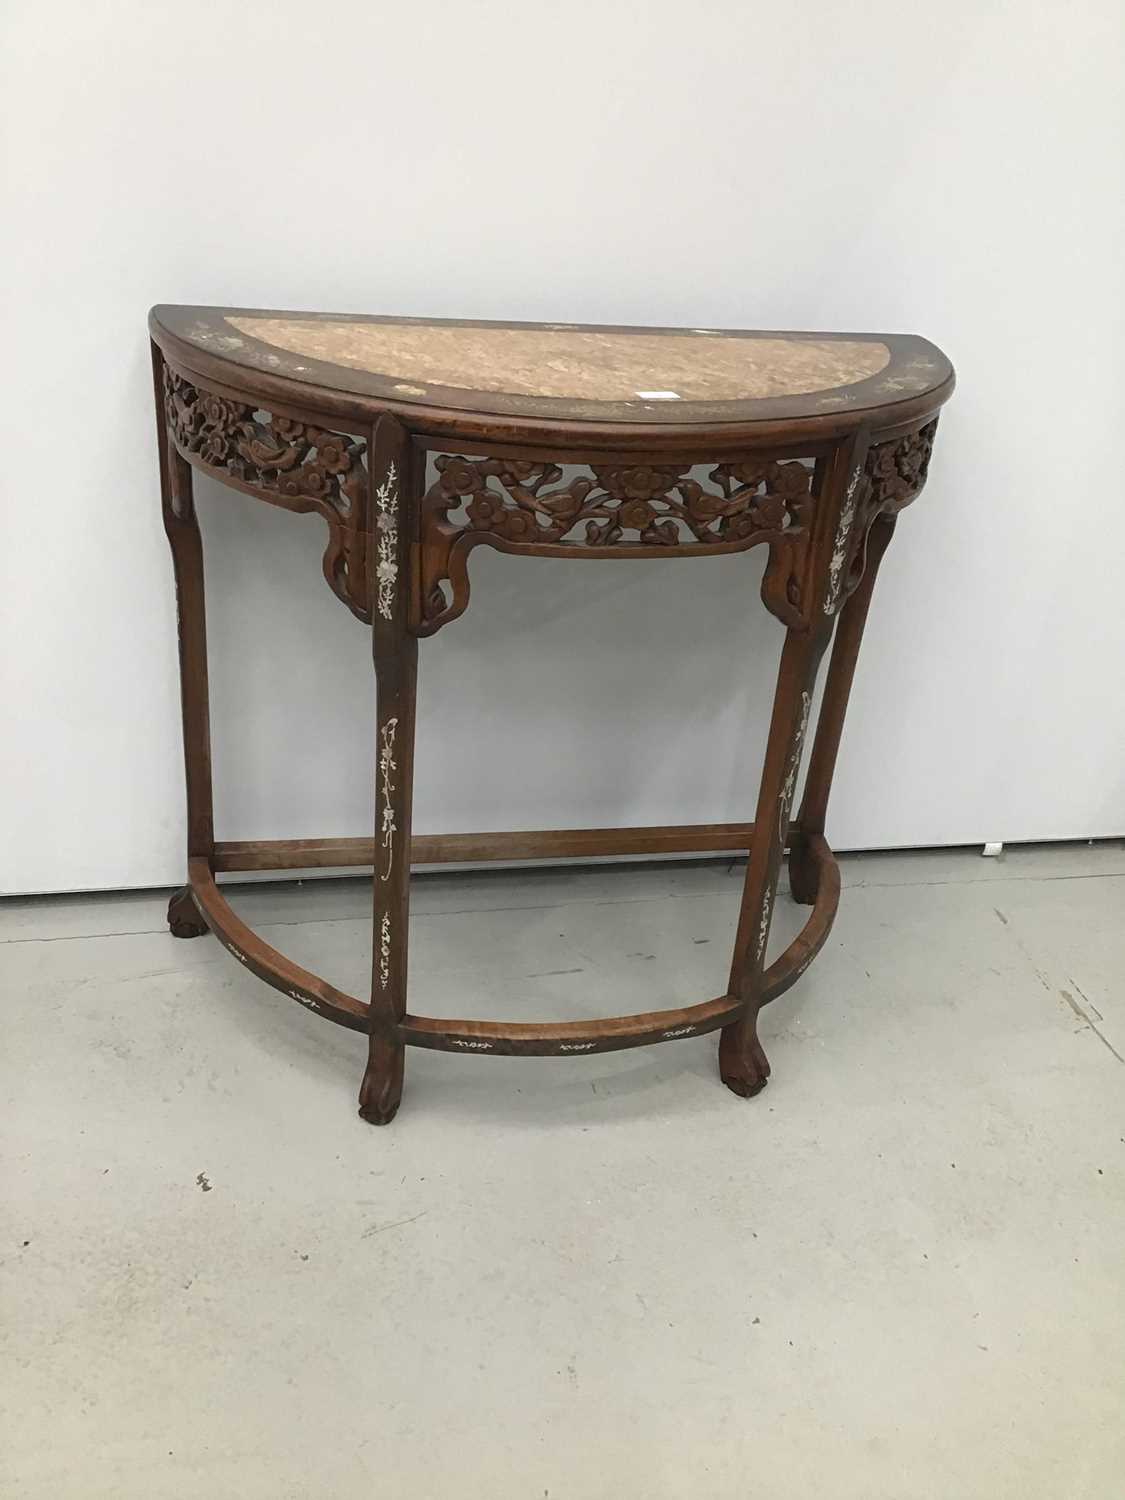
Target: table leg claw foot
(743,1065)
(184,920)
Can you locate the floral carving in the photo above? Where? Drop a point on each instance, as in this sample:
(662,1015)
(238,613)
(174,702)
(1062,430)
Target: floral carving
(527,501)
(609,508)
(295,464)
(637,481)
(897,470)
(893,475)
(290,457)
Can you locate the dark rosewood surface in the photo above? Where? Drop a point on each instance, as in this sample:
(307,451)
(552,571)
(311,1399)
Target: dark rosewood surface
(418,440)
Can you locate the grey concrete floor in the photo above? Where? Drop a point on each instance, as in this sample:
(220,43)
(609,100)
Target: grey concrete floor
(897,1273)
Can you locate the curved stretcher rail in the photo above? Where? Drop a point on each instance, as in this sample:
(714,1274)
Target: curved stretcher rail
(518,1038)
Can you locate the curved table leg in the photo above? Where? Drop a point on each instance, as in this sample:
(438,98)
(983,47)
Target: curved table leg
(396,670)
(743,1065)
(182,527)
(395,651)
(810,821)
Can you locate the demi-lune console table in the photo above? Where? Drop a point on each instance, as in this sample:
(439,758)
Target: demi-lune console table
(417,440)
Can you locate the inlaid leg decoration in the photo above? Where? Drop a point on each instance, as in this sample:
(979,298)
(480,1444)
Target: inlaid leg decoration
(894,476)
(743,1066)
(742,1061)
(182,528)
(396,674)
(396,666)
(183,915)
(837,689)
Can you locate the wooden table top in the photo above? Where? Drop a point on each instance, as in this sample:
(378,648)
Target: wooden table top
(562,373)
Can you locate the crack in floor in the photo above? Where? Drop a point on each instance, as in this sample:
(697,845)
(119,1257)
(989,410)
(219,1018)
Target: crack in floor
(1088,1020)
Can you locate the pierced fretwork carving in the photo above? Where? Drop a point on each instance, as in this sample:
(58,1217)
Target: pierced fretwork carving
(293,464)
(894,475)
(618,509)
(662,504)
(897,470)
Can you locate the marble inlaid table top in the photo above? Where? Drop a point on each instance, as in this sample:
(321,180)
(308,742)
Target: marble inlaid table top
(571,372)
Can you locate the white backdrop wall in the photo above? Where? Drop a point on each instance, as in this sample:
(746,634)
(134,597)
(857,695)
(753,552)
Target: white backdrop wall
(952,170)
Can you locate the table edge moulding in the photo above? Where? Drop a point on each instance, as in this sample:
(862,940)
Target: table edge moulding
(417,440)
